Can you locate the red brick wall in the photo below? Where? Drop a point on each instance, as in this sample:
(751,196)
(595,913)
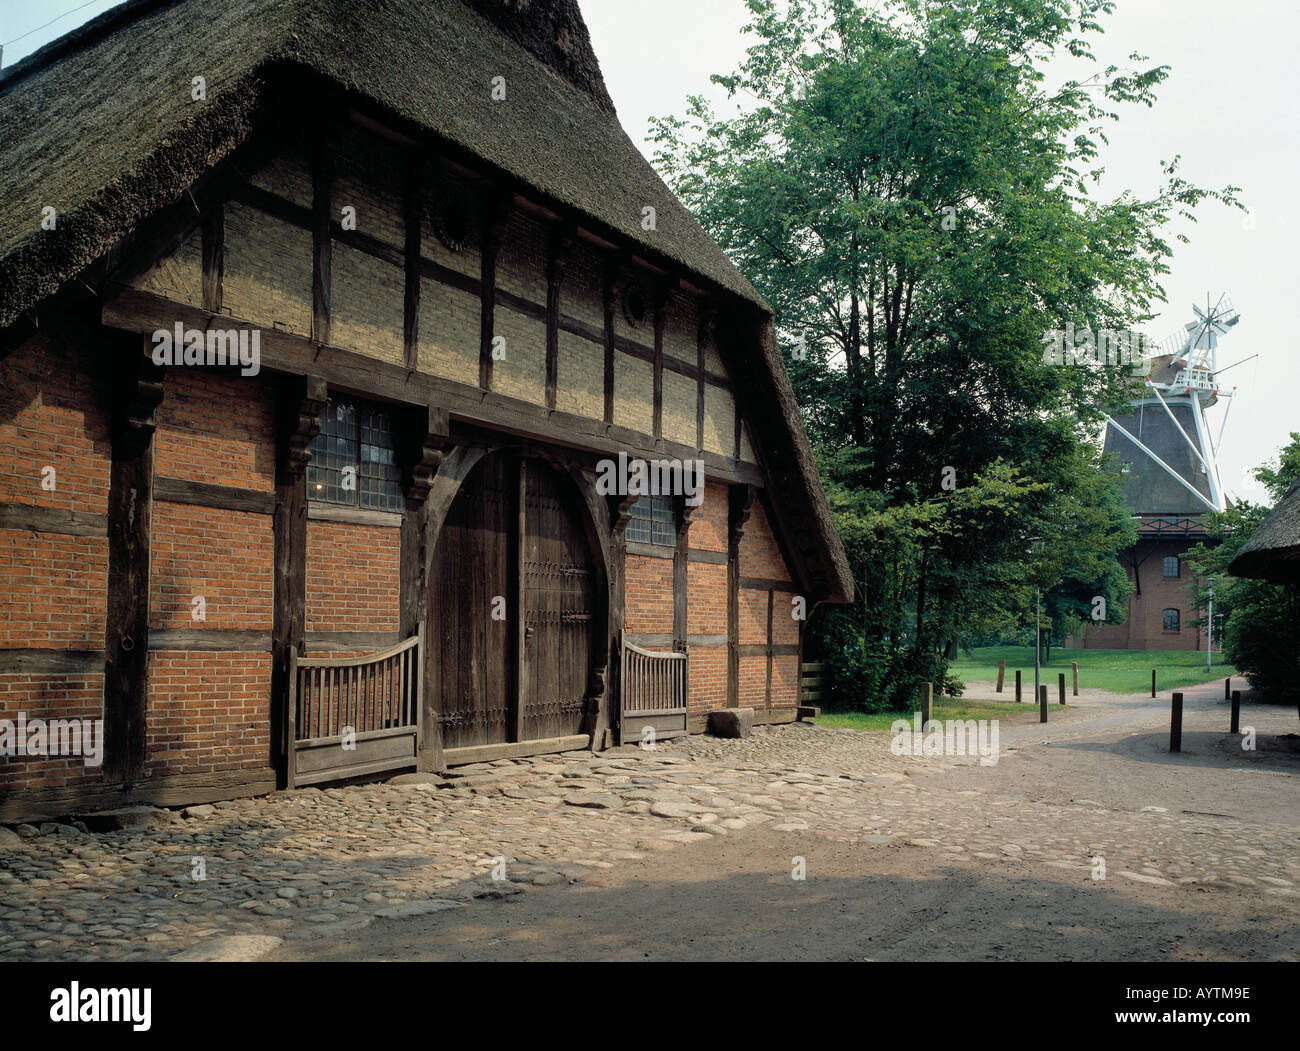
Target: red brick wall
(52,586)
(785,681)
(753,616)
(759,554)
(208,712)
(50,415)
(1143,628)
(753,682)
(706,598)
(708,678)
(353,581)
(709,522)
(648,595)
(216,429)
(49,697)
(224,556)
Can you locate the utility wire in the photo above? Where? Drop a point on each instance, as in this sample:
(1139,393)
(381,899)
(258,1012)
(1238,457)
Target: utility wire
(50,23)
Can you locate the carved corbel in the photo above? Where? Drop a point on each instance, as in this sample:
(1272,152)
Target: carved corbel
(427,446)
(139,392)
(742,504)
(303,425)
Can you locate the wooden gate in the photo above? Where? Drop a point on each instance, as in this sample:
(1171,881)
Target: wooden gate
(514,607)
(653,691)
(350,716)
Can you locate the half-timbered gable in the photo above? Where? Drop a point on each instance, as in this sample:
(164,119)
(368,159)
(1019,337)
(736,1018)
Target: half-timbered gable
(312,396)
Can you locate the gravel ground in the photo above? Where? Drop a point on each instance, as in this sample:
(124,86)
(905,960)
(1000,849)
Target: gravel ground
(688,852)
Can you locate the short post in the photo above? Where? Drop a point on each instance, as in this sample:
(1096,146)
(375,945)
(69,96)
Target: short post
(1042,703)
(1227,688)
(1153,682)
(927,701)
(1074,666)
(1176,724)
(1060,688)
(1017,686)
(1236,712)
(1002,674)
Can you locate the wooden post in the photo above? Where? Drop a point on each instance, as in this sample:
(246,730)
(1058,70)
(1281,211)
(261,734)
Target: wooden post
(927,702)
(1060,688)
(1176,724)
(1002,672)
(1227,688)
(1042,703)
(300,404)
(741,502)
(136,392)
(1236,713)
(1017,686)
(1153,682)
(1074,667)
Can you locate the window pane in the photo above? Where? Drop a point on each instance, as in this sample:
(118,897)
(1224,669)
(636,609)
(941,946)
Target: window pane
(652,521)
(1171,620)
(358,438)
(333,449)
(1171,566)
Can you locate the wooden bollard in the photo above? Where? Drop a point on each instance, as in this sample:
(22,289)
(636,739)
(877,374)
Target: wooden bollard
(1176,724)
(1236,712)
(927,701)
(1074,665)
(1060,688)
(1017,686)
(1227,688)
(1002,674)
(1153,682)
(1042,703)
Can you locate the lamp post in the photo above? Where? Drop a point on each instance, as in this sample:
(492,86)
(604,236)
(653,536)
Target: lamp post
(1209,633)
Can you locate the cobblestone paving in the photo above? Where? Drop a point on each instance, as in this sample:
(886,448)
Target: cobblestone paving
(316,862)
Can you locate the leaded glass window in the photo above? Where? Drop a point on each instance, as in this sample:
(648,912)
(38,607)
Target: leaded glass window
(353,461)
(652,521)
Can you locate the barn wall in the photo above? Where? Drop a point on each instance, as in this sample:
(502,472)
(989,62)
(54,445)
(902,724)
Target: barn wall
(52,585)
(706,600)
(352,577)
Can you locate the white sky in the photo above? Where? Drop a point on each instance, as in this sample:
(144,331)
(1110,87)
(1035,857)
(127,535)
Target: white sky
(1231,107)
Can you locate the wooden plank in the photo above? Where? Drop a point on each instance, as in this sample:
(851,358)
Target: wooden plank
(767,701)
(515,561)
(636,547)
(231,640)
(45,804)
(812,666)
(706,641)
(413,201)
(607,291)
(136,392)
(496,214)
(660,305)
(714,558)
(29,518)
(516,749)
(351,641)
(204,494)
(51,662)
(768,584)
(322,512)
(560,243)
(214,236)
(322,173)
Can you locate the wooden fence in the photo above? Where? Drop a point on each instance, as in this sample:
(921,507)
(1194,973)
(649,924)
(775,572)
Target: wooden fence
(355,715)
(654,691)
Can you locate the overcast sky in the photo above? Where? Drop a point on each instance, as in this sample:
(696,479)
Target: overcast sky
(1231,108)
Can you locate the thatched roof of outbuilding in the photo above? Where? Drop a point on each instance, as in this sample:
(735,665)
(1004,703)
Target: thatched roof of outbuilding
(1273,551)
(100,125)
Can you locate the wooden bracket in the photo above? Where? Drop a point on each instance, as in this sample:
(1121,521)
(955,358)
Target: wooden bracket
(139,392)
(741,506)
(300,432)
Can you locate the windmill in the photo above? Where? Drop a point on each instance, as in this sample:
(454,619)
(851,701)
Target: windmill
(1171,461)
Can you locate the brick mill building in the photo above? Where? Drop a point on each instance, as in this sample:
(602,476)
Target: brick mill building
(384,543)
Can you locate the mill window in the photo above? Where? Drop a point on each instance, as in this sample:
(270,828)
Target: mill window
(1171,567)
(1172,618)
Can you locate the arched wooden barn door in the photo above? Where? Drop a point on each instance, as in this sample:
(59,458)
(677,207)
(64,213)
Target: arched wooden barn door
(561,606)
(515,611)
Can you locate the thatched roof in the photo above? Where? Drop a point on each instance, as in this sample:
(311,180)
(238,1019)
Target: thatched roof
(1273,551)
(100,125)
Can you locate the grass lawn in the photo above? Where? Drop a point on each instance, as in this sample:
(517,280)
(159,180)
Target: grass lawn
(1119,671)
(944,708)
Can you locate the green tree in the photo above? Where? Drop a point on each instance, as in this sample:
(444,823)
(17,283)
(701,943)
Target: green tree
(1261,620)
(915,204)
